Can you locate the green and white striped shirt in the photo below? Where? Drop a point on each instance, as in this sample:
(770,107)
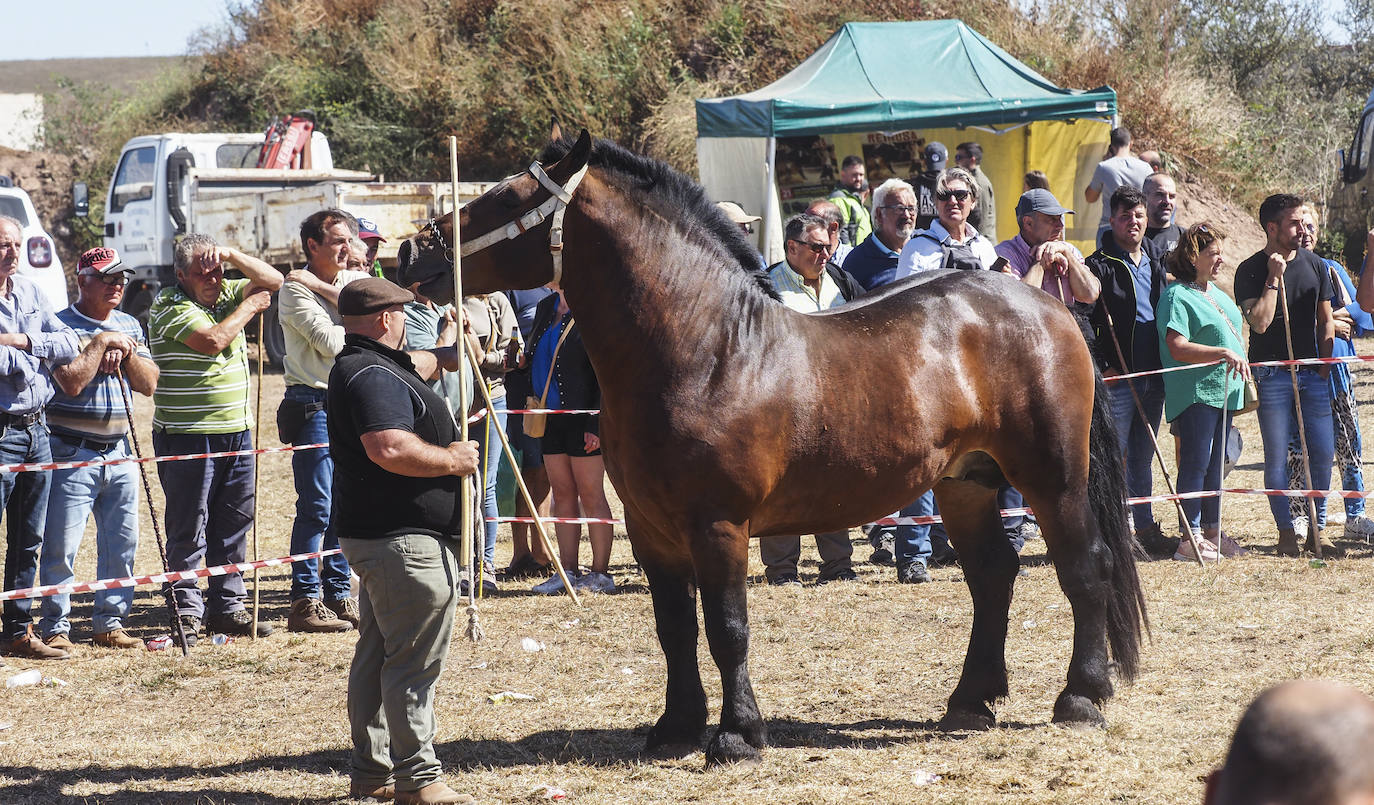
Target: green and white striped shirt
(198,393)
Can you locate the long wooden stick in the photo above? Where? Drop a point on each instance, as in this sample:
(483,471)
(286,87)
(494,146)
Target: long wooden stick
(1302,428)
(257,432)
(474,629)
(167,590)
(1159,457)
(524,490)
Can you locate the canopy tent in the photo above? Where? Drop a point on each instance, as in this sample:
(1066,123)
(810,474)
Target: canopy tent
(860,93)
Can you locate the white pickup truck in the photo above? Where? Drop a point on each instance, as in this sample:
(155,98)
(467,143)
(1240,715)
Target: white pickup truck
(169,185)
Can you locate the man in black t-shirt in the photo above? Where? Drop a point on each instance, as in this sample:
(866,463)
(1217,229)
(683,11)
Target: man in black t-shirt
(1161,196)
(397,464)
(1307,292)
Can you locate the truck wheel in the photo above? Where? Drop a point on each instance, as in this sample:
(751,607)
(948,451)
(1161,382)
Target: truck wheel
(272,339)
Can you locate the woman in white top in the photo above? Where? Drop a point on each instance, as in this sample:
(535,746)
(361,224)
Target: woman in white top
(951,241)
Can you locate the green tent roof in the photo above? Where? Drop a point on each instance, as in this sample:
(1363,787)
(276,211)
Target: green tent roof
(892,76)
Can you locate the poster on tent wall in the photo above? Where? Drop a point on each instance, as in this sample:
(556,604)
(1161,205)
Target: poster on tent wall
(806,170)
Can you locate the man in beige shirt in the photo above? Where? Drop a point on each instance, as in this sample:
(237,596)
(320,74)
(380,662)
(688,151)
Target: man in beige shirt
(321,599)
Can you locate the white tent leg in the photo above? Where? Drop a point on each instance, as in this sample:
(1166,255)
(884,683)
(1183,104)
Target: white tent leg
(770,212)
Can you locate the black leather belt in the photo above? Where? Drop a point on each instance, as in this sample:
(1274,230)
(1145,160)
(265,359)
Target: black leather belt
(87,444)
(21,420)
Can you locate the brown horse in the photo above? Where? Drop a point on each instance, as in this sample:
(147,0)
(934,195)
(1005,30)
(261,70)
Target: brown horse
(727,416)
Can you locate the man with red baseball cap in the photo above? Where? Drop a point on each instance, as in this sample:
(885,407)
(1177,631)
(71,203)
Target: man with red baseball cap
(372,238)
(88,421)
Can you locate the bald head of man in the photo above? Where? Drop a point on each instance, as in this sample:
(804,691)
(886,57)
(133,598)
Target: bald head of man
(1300,743)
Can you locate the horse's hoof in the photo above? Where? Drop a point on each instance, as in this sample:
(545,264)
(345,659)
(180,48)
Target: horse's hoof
(669,750)
(980,719)
(1077,711)
(730,747)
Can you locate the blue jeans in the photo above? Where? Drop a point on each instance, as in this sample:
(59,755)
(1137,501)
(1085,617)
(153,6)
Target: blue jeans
(1278,423)
(1137,443)
(24,497)
(1202,432)
(312,530)
(911,543)
(1007,498)
(489,443)
(209,510)
(111,492)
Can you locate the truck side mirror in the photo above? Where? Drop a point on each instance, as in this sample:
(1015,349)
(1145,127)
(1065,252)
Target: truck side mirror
(81,199)
(1345,165)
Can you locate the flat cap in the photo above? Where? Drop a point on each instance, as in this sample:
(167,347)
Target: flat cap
(370,295)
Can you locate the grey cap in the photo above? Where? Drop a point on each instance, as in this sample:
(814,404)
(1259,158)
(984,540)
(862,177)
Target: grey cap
(937,156)
(1038,199)
(371,295)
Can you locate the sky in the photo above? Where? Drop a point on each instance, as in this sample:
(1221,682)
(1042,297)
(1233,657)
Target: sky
(47,29)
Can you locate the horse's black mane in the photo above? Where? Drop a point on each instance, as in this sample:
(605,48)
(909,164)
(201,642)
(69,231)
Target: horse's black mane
(679,192)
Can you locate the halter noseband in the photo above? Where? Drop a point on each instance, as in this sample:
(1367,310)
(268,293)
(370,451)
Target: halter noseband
(555,206)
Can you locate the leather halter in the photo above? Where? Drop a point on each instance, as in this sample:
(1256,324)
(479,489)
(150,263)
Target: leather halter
(554,207)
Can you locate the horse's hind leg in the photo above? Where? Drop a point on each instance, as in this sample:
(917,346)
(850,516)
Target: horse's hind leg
(672,587)
(722,561)
(969,510)
(1083,564)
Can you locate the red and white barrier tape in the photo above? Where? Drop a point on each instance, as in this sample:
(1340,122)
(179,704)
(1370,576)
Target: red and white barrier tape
(242,567)
(71,465)
(1295,362)
(157,578)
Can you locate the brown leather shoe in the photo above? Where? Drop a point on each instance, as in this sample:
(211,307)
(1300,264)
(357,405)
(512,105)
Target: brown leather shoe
(30,647)
(435,792)
(380,793)
(117,638)
(345,609)
(59,641)
(311,615)
(1329,551)
(1288,543)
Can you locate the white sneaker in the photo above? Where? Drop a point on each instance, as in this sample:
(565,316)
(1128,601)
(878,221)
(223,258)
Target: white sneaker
(554,585)
(1360,527)
(1185,550)
(593,582)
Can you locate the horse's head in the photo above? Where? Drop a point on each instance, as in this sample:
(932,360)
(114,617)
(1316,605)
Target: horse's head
(511,235)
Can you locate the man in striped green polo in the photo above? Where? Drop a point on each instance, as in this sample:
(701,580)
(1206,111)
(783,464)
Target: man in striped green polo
(195,333)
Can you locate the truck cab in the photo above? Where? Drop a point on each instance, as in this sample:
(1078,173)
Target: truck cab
(1351,210)
(147,205)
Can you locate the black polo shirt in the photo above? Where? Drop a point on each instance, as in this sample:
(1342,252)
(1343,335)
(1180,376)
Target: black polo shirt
(1307,283)
(373,388)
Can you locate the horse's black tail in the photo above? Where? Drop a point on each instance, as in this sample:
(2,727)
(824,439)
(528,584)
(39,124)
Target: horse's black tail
(1126,616)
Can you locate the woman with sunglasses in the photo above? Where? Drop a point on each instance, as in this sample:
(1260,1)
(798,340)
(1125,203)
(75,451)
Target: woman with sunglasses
(1199,325)
(950,241)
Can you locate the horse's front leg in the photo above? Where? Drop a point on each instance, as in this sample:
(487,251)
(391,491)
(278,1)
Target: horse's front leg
(721,556)
(672,586)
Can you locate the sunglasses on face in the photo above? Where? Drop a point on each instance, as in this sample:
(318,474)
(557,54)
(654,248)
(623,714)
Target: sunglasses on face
(816,248)
(119,280)
(957,195)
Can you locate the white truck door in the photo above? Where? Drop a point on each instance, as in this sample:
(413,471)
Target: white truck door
(131,222)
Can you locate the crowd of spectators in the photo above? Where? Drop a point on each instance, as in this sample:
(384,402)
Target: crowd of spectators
(1146,299)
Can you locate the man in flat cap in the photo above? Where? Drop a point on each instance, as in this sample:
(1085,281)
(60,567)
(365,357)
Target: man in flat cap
(397,464)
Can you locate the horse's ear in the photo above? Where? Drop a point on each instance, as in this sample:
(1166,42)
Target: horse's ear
(555,130)
(581,150)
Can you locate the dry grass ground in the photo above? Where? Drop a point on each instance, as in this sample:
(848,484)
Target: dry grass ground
(851,678)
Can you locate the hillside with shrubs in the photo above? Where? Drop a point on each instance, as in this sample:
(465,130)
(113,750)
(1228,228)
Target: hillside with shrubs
(1244,95)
